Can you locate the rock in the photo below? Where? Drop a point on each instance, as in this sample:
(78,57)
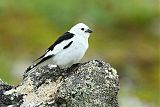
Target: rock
(91,84)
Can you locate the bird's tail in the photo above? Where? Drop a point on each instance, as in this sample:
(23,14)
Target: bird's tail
(38,63)
(31,67)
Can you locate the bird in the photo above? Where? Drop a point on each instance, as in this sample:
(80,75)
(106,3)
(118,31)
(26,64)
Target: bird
(67,50)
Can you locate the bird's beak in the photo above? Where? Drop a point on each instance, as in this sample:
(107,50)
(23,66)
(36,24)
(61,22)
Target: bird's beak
(89,31)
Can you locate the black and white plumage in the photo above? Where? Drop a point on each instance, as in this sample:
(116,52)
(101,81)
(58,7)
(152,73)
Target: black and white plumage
(68,49)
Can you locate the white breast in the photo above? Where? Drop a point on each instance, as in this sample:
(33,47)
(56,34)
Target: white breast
(73,54)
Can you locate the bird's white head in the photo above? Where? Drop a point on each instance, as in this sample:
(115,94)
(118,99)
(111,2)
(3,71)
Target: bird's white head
(81,29)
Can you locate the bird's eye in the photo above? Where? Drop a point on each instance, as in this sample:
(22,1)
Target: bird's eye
(82,28)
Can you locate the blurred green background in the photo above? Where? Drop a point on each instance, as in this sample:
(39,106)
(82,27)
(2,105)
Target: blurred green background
(126,34)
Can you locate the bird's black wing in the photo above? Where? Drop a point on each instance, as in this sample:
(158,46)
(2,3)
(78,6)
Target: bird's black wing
(65,36)
(43,58)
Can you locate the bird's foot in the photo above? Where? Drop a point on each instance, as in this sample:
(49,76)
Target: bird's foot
(74,67)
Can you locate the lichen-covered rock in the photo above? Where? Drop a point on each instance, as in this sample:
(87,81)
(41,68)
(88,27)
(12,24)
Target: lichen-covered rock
(91,84)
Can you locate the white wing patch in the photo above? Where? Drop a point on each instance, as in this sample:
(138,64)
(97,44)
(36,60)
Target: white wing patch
(58,48)
(48,53)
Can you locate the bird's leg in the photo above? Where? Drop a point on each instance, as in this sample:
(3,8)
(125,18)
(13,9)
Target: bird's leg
(74,67)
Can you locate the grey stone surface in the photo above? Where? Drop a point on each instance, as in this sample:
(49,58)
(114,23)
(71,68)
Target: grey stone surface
(91,84)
